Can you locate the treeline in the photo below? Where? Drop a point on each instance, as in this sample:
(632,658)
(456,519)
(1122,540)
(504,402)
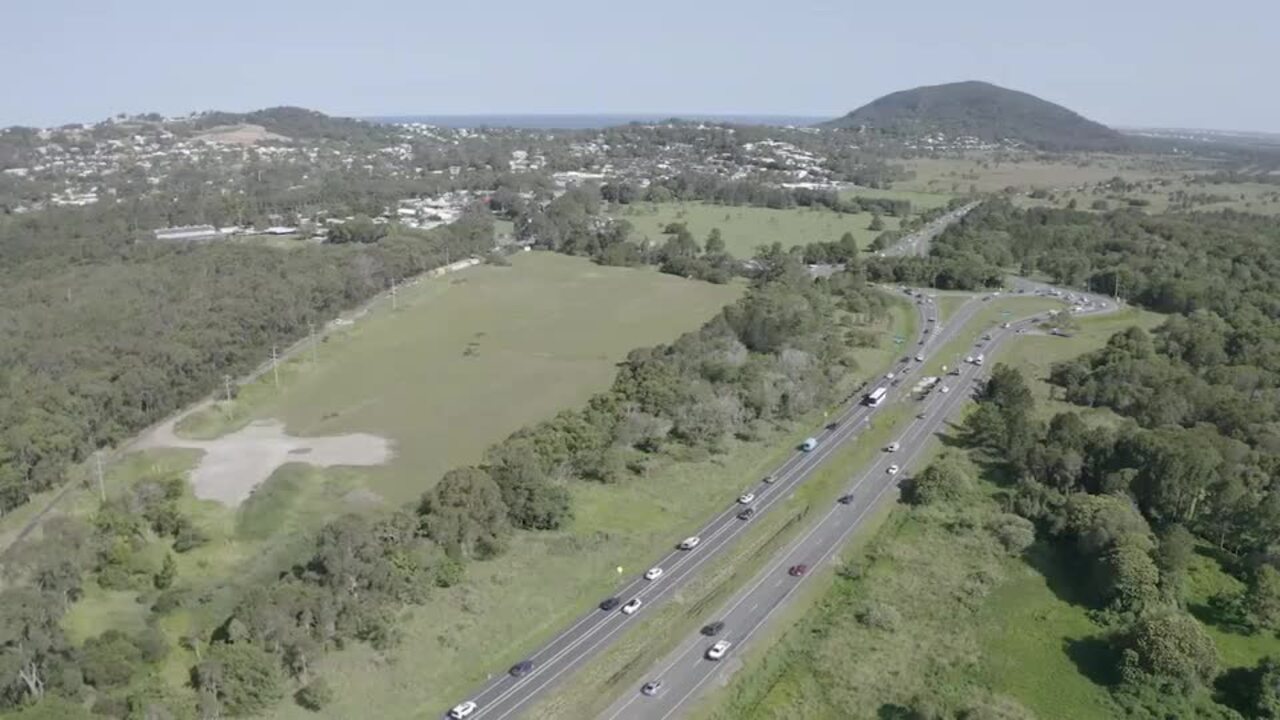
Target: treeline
(100,346)
(1129,505)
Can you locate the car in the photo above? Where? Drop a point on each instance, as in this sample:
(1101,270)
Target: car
(746,498)
(892,470)
(1005,326)
(797,570)
(746,513)
(717,651)
(921,416)
(925,331)
(651,688)
(833,425)
(520,669)
(712,629)
(768,479)
(809,444)
(946,389)
(653,573)
(987,337)
(932,319)
(892,447)
(463,710)
(968,358)
(919,358)
(889,376)
(956,371)
(631,607)
(845,499)
(610,604)
(690,543)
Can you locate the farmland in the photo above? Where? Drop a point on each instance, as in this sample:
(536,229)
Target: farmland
(746,228)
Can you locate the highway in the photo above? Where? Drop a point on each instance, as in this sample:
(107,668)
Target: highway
(687,671)
(917,243)
(504,695)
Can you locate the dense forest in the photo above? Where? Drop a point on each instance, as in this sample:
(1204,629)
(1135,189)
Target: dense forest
(776,354)
(105,335)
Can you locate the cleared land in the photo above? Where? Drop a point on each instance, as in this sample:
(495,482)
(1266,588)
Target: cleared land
(246,134)
(746,228)
(919,200)
(538,337)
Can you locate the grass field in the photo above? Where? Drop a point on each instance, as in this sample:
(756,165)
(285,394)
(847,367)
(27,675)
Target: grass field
(988,172)
(538,337)
(746,228)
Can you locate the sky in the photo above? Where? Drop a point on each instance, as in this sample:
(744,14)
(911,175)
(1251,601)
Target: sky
(1165,63)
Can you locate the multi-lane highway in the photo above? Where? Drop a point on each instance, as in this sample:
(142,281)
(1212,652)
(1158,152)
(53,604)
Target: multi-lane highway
(917,243)
(687,670)
(506,695)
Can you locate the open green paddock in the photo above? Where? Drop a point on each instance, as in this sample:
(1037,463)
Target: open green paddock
(746,228)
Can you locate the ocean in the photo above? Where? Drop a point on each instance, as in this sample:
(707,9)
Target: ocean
(589,122)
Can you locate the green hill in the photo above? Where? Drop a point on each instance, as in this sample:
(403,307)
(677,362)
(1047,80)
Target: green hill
(984,111)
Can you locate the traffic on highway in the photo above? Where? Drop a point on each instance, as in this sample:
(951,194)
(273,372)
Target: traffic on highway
(676,682)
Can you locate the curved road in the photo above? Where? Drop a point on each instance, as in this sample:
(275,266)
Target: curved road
(687,671)
(505,696)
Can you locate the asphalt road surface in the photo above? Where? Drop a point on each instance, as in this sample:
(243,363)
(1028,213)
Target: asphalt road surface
(687,671)
(917,243)
(505,696)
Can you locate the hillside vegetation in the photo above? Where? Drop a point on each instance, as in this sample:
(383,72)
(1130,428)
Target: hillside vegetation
(984,111)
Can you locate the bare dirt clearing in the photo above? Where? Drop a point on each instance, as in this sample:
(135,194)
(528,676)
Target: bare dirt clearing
(235,464)
(238,135)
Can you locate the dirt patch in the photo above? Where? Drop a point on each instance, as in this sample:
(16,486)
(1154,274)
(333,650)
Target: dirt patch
(238,135)
(235,464)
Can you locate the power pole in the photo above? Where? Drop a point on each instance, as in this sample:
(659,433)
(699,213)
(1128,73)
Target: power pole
(102,487)
(275,365)
(1117,288)
(311,326)
(226,385)
(393,294)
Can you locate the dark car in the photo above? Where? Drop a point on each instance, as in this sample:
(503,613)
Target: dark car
(798,570)
(521,668)
(833,425)
(712,629)
(746,513)
(845,499)
(610,604)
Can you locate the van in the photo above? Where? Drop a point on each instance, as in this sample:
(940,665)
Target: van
(809,444)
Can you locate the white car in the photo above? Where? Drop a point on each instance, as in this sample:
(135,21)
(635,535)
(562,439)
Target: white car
(631,607)
(946,389)
(717,651)
(919,358)
(968,358)
(892,447)
(746,498)
(690,543)
(889,376)
(653,573)
(464,710)
(893,470)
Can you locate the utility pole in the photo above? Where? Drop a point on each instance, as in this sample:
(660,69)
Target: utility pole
(1117,284)
(102,487)
(393,294)
(226,385)
(275,365)
(311,326)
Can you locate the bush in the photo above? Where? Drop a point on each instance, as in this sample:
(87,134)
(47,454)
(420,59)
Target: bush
(880,616)
(315,695)
(1014,532)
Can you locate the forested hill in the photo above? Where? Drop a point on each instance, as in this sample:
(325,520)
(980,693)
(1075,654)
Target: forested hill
(298,124)
(985,111)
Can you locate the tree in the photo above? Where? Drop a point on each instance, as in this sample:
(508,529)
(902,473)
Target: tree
(1262,598)
(359,229)
(1014,532)
(1173,557)
(465,513)
(168,572)
(1132,580)
(715,243)
(944,480)
(877,223)
(242,677)
(32,646)
(110,660)
(1168,650)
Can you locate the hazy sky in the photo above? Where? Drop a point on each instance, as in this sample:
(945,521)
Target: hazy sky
(1122,62)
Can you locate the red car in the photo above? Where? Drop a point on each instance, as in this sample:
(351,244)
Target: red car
(798,570)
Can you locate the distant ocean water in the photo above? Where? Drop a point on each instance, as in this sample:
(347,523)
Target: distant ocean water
(588,122)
